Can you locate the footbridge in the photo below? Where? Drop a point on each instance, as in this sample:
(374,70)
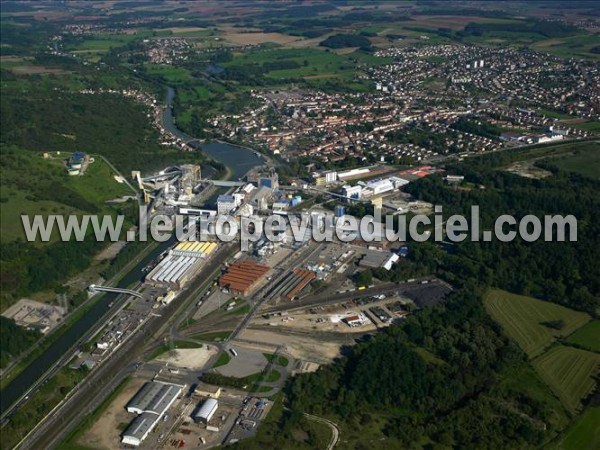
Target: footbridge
(95,288)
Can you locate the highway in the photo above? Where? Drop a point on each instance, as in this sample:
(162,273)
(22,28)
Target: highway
(106,377)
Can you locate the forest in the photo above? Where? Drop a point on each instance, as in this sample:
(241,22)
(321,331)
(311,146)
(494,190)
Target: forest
(64,121)
(561,272)
(347,40)
(14,340)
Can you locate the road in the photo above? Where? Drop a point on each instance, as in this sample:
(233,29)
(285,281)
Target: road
(335,431)
(102,380)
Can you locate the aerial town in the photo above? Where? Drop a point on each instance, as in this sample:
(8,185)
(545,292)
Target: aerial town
(410,100)
(211,132)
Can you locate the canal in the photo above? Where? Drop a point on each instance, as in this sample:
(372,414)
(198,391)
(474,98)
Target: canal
(239,161)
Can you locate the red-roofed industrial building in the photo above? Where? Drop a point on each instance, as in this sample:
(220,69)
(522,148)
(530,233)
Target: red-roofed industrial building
(242,276)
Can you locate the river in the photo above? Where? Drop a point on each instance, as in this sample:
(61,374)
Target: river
(238,159)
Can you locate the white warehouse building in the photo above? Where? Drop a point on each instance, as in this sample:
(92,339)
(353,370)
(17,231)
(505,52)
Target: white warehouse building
(352,191)
(150,404)
(380,186)
(206,411)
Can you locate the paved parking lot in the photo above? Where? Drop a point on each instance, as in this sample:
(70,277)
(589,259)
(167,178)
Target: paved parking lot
(248,362)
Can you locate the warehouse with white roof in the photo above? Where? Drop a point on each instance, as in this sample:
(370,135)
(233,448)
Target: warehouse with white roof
(206,411)
(150,404)
(180,265)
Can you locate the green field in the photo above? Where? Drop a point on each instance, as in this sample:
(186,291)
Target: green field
(553,114)
(593,126)
(280,360)
(587,336)
(313,63)
(585,160)
(102,42)
(170,74)
(224,359)
(524,379)
(584,434)
(96,185)
(569,372)
(521,318)
(579,45)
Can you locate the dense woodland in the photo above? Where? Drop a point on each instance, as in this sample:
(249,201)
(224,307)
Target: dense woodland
(347,40)
(64,121)
(561,272)
(14,340)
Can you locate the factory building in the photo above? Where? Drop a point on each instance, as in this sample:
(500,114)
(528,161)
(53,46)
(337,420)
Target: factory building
(301,279)
(330,177)
(398,182)
(242,276)
(271,182)
(195,249)
(225,204)
(380,186)
(354,192)
(387,265)
(154,397)
(373,259)
(205,412)
(356,320)
(139,429)
(353,173)
(180,265)
(260,198)
(268,180)
(174,271)
(150,403)
(190,175)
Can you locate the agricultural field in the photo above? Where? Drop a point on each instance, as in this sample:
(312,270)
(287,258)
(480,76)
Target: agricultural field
(312,63)
(102,42)
(569,372)
(455,22)
(585,160)
(171,74)
(584,434)
(587,336)
(523,318)
(569,47)
(593,127)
